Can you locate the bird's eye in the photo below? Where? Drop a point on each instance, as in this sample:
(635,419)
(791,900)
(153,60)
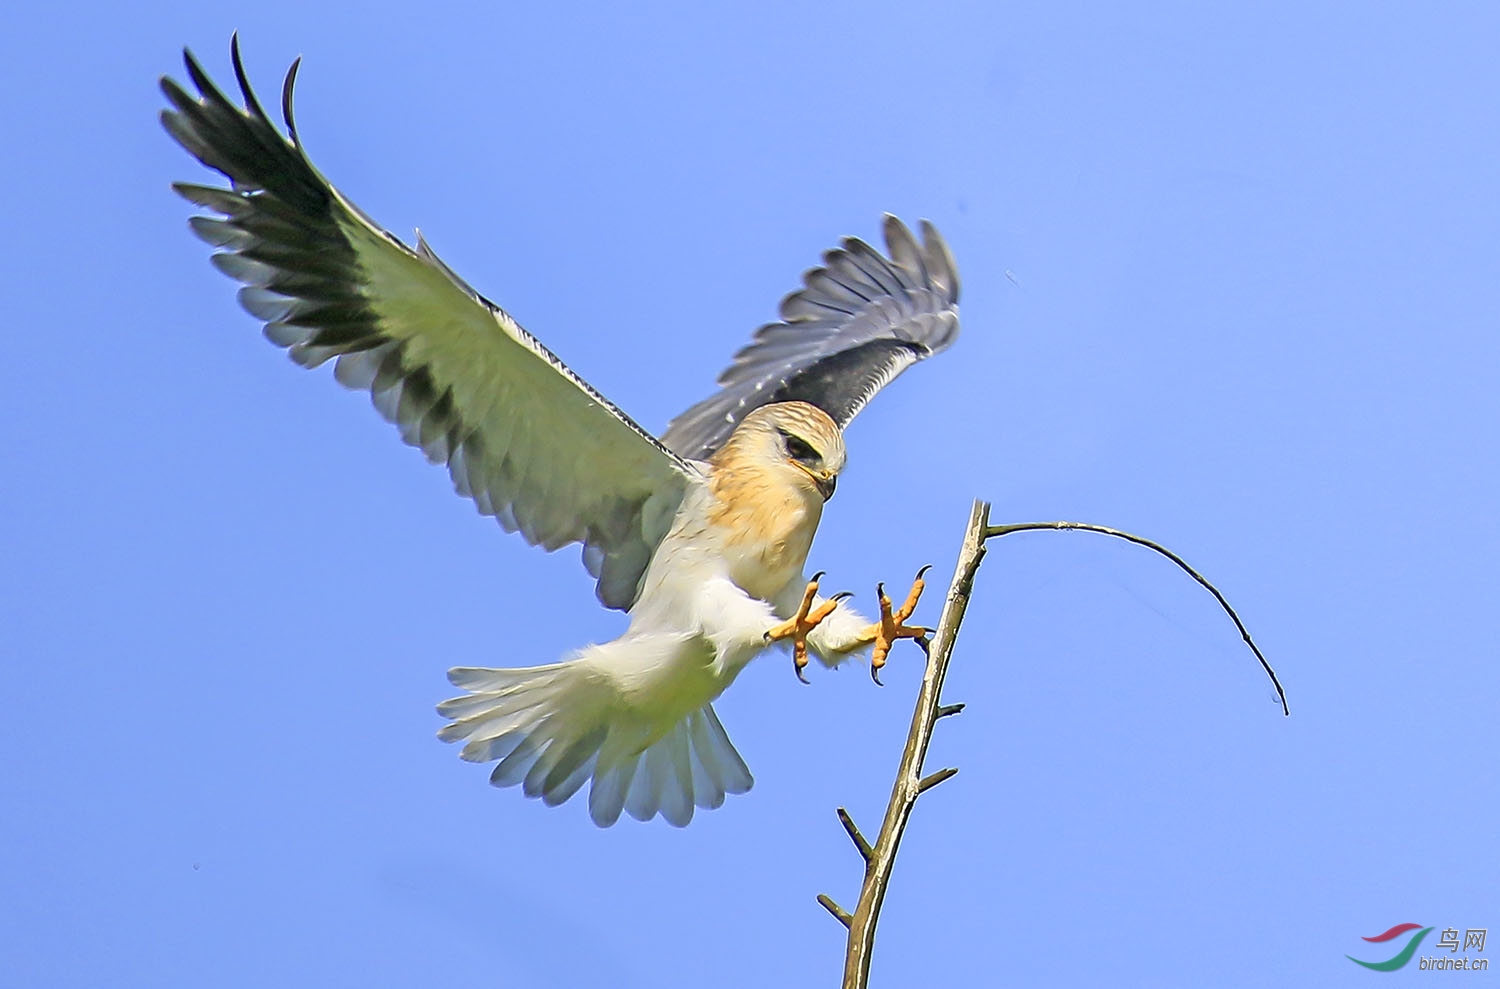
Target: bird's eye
(798,449)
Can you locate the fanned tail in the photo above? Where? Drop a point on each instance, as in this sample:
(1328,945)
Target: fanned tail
(553,728)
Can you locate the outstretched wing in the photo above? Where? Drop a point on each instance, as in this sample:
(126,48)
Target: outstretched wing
(857,322)
(523,436)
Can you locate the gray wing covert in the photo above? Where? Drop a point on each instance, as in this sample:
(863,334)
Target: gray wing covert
(858,321)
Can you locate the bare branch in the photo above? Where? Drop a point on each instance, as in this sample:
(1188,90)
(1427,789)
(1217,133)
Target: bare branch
(995,531)
(839,913)
(909,779)
(910,783)
(854,835)
(928,782)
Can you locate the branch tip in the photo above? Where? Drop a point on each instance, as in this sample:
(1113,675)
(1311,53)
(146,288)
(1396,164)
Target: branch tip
(933,779)
(839,913)
(948,709)
(854,835)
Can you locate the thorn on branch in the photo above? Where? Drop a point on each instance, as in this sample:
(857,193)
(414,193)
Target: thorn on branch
(933,779)
(854,835)
(948,709)
(839,913)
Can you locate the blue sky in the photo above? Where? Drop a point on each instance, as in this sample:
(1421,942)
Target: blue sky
(1229,282)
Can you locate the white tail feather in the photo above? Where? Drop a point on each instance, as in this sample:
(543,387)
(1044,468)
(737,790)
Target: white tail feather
(553,728)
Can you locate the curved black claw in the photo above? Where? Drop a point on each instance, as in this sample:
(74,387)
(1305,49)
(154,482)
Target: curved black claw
(875,675)
(842,595)
(923,572)
(817,576)
(800,675)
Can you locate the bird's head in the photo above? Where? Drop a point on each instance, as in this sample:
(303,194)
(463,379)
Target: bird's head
(794,439)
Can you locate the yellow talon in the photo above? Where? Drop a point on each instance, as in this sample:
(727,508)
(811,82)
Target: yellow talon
(804,621)
(892,625)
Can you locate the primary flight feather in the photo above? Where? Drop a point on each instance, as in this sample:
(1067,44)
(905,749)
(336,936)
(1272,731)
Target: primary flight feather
(702,536)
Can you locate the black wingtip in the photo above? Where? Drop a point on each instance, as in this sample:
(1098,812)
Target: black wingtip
(286,100)
(251,103)
(170,86)
(173,92)
(206,88)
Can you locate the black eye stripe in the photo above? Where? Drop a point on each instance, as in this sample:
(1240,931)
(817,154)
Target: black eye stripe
(800,449)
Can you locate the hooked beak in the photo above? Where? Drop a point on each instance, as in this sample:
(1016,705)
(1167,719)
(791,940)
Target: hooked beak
(826,483)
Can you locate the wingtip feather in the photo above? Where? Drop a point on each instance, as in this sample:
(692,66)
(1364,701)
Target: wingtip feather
(287,86)
(940,263)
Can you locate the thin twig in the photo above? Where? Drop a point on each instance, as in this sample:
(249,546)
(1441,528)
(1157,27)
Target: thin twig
(995,531)
(910,782)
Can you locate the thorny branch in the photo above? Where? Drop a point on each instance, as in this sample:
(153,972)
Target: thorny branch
(909,780)
(880,858)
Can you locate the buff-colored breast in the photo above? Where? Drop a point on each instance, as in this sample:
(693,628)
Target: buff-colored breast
(766,522)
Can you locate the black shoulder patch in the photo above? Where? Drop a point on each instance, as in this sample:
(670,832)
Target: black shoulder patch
(841,383)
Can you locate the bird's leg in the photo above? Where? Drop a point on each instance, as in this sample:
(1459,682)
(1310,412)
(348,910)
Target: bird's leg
(804,621)
(892,625)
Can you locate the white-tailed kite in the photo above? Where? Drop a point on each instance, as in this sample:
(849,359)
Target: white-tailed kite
(701,535)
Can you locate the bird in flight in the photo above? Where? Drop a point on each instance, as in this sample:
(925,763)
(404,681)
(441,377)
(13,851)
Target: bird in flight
(701,535)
